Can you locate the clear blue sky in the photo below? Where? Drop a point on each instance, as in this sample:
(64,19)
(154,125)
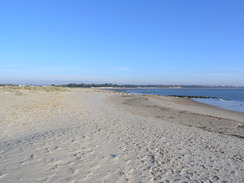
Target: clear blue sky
(122,41)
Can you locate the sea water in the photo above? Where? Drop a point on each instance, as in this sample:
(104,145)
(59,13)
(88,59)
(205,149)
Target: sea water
(231,99)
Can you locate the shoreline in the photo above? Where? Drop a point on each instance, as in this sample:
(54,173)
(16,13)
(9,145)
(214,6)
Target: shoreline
(92,135)
(180,106)
(217,103)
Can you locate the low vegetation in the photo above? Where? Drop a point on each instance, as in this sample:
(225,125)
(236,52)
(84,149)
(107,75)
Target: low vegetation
(110,85)
(20,90)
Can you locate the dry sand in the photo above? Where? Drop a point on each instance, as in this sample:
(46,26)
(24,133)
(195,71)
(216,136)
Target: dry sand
(97,136)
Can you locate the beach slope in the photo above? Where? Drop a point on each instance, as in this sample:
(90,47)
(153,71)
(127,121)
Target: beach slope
(88,135)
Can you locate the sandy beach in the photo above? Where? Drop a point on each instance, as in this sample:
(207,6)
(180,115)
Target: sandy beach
(89,135)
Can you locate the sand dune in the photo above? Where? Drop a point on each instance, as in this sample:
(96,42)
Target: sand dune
(97,136)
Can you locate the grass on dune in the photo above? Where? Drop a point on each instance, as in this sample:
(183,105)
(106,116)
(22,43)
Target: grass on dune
(19,90)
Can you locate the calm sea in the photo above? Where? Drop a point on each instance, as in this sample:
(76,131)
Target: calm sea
(231,99)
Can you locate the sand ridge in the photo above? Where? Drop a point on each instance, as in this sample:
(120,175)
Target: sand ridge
(223,121)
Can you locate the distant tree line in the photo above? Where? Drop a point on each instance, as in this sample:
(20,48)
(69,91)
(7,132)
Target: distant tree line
(110,85)
(107,85)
